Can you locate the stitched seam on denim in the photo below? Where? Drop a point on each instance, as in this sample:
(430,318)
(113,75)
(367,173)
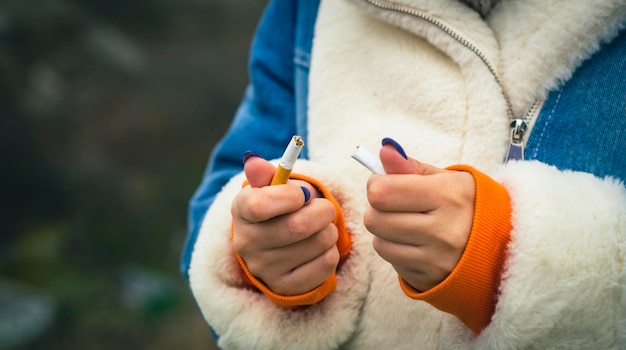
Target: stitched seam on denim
(545,125)
(302,58)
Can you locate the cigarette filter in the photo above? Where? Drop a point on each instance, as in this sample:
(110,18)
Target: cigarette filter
(367,158)
(287,161)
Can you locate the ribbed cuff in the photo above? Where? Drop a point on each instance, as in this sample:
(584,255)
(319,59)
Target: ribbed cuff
(470,291)
(344,245)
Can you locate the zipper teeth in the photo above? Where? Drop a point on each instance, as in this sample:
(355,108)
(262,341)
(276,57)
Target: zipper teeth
(532,112)
(454,35)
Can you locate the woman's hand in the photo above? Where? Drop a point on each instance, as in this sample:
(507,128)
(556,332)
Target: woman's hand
(421,216)
(284,233)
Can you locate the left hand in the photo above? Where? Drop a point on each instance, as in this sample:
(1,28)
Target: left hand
(421,217)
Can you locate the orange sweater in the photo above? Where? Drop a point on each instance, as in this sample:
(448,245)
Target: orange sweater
(344,244)
(470,291)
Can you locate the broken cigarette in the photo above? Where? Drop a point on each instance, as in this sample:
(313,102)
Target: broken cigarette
(367,158)
(287,161)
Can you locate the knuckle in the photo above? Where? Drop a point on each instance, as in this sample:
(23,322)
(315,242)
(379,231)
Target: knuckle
(283,284)
(441,196)
(329,210)
(330,260)
(325,265)
(256,267)
(240,243)
(234,209)
(333,234)
(375,193)
(324,210)
(297,225)
(370,220)
(417,280)
(327,237)
(253,208)
(379,246)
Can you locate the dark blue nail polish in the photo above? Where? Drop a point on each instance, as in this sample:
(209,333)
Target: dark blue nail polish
(248,154)
(390,141)
(307,193)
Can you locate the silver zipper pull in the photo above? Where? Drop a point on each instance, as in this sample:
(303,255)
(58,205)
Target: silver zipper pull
(516,142)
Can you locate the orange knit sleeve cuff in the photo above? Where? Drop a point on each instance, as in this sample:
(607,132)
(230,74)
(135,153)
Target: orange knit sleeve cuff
(344,245)
(470,291)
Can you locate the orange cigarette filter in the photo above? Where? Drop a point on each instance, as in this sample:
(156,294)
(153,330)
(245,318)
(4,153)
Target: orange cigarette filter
(287,161)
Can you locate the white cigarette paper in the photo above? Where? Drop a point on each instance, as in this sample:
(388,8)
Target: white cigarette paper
(291,152)
(367,158)
(287,161)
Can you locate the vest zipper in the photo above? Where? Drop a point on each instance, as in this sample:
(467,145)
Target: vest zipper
(519,126)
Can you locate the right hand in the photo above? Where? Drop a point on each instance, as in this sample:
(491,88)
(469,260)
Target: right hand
(285,242)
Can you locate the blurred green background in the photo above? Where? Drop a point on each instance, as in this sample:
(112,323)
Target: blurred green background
(108,112)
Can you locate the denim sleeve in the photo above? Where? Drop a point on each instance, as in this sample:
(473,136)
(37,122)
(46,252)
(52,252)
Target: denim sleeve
(265,119)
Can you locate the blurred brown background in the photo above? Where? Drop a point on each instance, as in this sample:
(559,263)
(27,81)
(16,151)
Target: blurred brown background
(108,112)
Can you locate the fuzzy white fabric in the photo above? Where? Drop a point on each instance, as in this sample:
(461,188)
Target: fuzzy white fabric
(246,319)
(543,42)
(564,283)
(377,73)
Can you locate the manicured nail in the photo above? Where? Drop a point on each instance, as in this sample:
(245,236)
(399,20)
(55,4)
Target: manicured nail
(307,193)
(390,141)
(248,154)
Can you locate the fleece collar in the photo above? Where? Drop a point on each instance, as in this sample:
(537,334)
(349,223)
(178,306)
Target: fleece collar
(533,45)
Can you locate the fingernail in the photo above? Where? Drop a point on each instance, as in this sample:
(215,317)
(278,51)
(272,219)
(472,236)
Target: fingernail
(390,141)
(248,154)
(307,194)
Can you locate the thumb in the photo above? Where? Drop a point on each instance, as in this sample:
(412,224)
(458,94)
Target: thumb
(259,171)
(395,161)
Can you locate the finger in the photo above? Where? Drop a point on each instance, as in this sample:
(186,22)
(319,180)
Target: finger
(399,254)
(300,225)
(314,192)
(401,227)
(283,230)
(308,276)
(410,193)
(396,161)
(420,230)
(422,280)
(285,259)
(313,246)
(283,265)
(260,204)
(259,171)
(416,265)
(425,169)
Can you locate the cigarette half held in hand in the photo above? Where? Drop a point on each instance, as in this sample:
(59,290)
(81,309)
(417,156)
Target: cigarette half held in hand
(367,158)
(287,161)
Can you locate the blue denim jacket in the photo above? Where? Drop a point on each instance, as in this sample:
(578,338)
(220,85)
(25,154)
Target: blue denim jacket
(273,107)
(580,127)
